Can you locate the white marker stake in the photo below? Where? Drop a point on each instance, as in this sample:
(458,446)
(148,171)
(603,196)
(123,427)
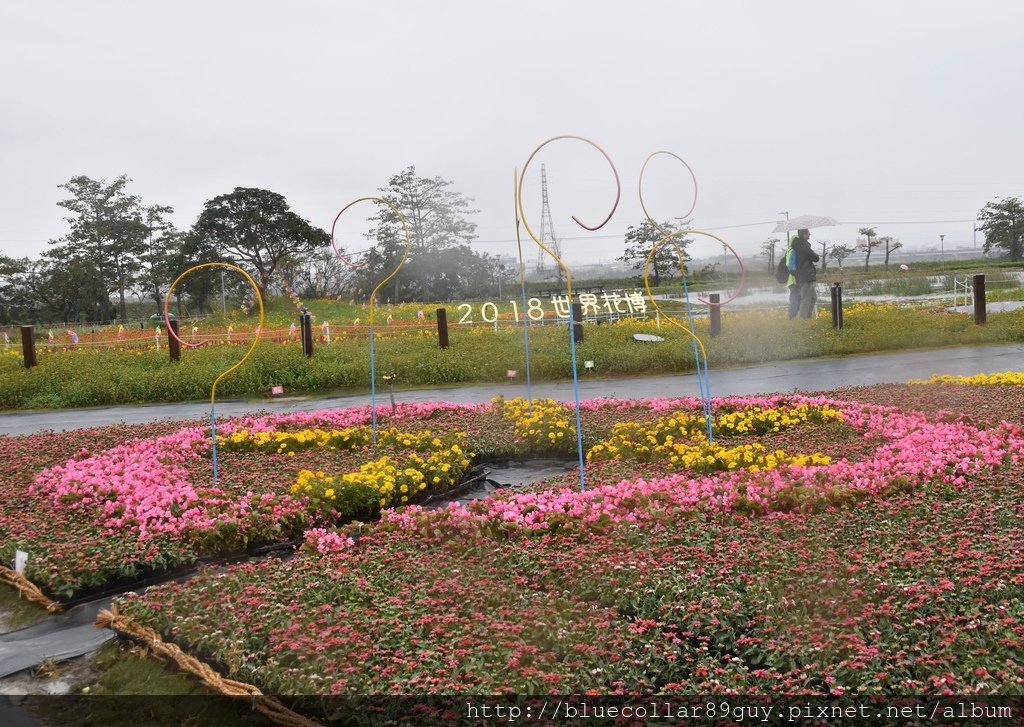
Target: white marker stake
(20,559)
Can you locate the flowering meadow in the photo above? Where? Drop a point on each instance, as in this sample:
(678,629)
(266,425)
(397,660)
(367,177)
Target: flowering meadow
(863,541)
(480,353)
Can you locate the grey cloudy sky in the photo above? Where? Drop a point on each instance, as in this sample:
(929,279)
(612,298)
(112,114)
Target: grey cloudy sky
(875,113)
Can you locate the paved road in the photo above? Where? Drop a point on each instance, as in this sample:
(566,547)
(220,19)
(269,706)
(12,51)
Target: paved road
(780,376)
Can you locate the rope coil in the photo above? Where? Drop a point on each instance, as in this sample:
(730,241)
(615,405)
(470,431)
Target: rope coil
(28,589)
(267,705)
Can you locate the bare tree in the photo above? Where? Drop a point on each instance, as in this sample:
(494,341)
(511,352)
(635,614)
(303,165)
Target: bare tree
(768,248)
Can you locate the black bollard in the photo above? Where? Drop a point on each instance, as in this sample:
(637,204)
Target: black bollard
(715,313)
(306,323)
(172,342)
(979,300)
(28,346)
(837,305)
(577,322)
(442,328)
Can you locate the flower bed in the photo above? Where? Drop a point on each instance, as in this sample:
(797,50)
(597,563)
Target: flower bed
(661,576)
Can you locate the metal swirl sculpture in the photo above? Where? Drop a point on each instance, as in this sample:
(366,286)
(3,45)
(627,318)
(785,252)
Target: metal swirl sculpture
(255,342)
(373,295)
(565,270)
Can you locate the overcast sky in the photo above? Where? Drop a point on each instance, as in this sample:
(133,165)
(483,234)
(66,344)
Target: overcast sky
(905,116)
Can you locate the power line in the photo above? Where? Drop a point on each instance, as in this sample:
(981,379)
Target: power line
(917,222)
(745,224)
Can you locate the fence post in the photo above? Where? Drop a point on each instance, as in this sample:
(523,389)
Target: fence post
(306,323)
(715,313)
(577,322)
(172,341)
(979,299)
(28,346)
(442,327)
(837,305)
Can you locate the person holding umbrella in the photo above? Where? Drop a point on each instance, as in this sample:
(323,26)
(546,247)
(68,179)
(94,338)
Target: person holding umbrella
(801,259)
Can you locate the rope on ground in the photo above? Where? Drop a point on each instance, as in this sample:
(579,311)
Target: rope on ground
(28,589)
(267,705)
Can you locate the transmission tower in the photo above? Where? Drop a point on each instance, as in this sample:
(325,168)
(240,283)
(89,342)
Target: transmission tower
(547,227)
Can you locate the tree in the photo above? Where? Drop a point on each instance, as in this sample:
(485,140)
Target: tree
(201,286)
(768,248)
(255,228)
(840,253)
(1003,224)
(68,289)
(18,303)
(505,273)
(162,244)
(320,275)
(436,215)
(891,245)
(641,238)
(869,233)
(824,249)
(440,264)
(107,232)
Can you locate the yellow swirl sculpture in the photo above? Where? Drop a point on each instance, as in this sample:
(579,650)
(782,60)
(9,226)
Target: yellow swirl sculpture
(256,340)
(373,297)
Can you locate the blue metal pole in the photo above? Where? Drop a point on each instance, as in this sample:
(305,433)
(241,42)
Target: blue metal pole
(526,338)
(213,441)
(576,394)
(703,380)
(373,388)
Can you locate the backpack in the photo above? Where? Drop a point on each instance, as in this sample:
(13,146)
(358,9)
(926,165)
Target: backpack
(782,271)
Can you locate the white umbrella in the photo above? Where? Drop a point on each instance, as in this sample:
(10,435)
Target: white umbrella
(805,222)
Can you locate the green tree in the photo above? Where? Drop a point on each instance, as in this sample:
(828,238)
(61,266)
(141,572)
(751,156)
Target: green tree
(869,244)
(641,238)
(255,229)
(435,214)
(68,289)
(18,303)
(440,265)
(163,242)
(107,232)
(1002,222)
(197,291)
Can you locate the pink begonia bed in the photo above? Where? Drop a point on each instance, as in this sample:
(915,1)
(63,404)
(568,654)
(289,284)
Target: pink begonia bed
(154,496)
(895,570)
